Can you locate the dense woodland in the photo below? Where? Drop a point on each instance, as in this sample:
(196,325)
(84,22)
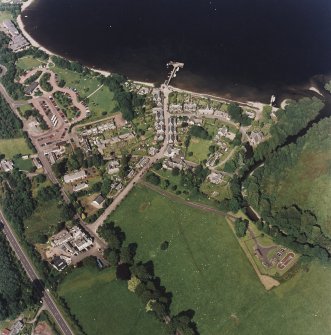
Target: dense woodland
(8,59)
(10,125)
(19,204)
(16,293)
(290,120)
(287,222)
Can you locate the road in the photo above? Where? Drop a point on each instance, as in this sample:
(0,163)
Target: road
(127,189)
(189,203)
(33,276)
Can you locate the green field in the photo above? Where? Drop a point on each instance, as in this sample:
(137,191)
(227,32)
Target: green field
(44,221)
(199,147)
(207,271)
(104,305)
(11,147)
(23,164)
(84,84)
(28,63)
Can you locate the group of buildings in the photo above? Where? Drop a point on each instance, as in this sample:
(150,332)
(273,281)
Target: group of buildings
(17,40)
(192,108)
(255,138)
(159,116)
(15,329)
(6,165)
(69,243)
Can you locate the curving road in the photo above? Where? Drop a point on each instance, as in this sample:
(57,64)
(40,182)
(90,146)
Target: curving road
(33,276)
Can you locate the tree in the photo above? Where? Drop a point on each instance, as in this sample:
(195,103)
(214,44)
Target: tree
(68,212)
(158,166)
(133,283)
(140,271)
(127,255)
(241,227)
(112,256)
(175,171)
(106,186)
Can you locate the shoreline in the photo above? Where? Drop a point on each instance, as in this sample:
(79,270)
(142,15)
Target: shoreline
(35,44)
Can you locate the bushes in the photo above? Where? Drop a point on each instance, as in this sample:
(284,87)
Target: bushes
(152,178)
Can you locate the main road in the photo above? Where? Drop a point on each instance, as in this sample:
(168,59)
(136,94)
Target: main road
(33,276)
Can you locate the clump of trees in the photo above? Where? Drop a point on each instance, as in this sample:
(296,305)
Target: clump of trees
(237,114)
(44,82)
(33,78)
(34,52)
(125,165)
(241,226)
(37,116)
(143,282)
(77,160)
(200,132)
(68,65)
(128,102)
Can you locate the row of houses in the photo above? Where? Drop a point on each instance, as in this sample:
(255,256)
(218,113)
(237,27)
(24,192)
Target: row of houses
(100,129)
(188,108)
(159,123)
(172,134)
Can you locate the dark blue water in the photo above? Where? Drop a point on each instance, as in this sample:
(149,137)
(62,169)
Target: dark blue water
(240,46)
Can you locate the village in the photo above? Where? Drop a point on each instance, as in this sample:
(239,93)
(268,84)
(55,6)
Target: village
(181,130)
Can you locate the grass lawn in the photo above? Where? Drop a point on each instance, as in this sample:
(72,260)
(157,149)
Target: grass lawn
(207,271)
(5,15)
(217,192)
(12,146)
(23,164)
(101,101)
(104,305)
(28,62)
(25,108)
(44,220)
(199,147)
